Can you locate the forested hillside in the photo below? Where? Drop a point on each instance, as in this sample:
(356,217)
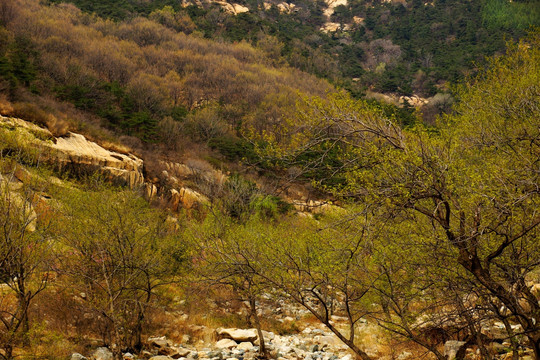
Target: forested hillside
(140,77)
(387,46)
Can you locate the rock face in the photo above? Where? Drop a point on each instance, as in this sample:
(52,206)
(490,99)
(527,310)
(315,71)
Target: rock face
(232,8)
(81,156)
(332,4)
(186,198)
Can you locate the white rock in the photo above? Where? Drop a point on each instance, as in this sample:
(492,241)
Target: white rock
(102,353)
(240,335)
(268,335)
(404,355)
(245,345)
(451,348)
(159,342)
(329,340)
(226,344)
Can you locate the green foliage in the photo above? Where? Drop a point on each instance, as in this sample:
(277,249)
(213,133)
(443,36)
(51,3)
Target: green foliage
(270,207)
(511,15)
(416,28)
(119,251)
(465,192)
(18,59)
(233,148)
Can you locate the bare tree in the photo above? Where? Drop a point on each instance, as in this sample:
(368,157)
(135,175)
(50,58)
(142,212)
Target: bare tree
(26,247)
(121,252)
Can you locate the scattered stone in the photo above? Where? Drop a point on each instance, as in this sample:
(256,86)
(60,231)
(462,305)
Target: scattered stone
(128,356)
(161,357)
(214,354)
(77,356)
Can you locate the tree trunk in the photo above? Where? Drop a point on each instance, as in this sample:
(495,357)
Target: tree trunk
(8,352)
(361,354)
(24,304)
(263,353)
(513,340)
(534,341)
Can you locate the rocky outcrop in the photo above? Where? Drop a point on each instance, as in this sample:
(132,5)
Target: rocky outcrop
(232,8)
(333,27)
(78,155)
(332,4)
(186,198)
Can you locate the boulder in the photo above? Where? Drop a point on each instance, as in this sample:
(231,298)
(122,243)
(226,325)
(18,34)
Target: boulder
(226,344)
(102,353)
(328,340)
(159,342)
(246,345)
(239,335)
(177,352)
(451,348)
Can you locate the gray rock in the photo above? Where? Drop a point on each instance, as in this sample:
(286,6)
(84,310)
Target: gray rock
(180,352)
(451,348)
(214,354)
(77,356)
(102,353)
(159,342)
